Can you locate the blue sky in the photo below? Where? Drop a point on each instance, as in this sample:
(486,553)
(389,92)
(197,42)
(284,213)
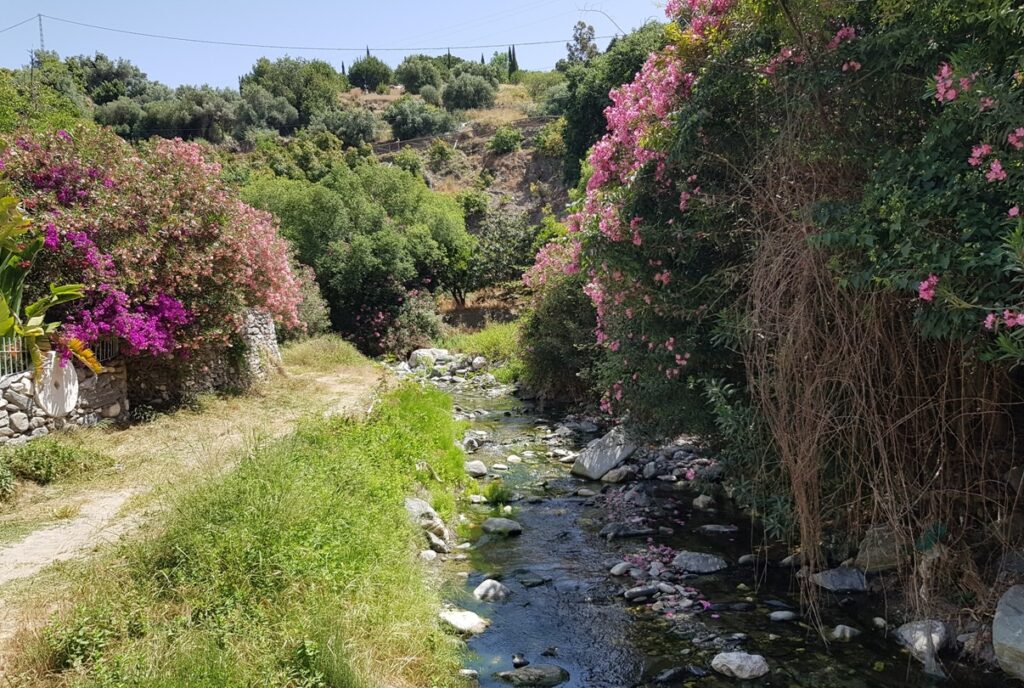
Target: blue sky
(379,23)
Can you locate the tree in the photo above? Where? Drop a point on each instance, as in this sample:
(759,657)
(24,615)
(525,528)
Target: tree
(260,109)
(410,119)
(369,72)
(582,47)
(310,86)
(417,71)
(469,91)
(588,84)
(354,127)
(105,80)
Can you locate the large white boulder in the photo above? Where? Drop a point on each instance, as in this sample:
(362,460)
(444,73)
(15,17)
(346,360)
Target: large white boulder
(603,454)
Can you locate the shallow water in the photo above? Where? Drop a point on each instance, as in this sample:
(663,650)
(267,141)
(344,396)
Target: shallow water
(579,617)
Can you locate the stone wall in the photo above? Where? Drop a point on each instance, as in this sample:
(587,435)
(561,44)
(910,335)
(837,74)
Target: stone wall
(99,396)
(165,383)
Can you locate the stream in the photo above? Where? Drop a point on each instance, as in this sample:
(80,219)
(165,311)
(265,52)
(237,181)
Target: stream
(566,609)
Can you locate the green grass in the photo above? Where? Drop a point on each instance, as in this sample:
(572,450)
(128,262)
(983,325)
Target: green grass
(52,458)
(297,569)
(323,351)
(497,342)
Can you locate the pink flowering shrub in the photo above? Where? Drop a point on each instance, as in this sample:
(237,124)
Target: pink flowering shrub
(170,257)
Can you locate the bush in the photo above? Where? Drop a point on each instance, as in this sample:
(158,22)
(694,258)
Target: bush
(504,247)
(314,314)
(409,160)
(440,155)
(411,119)
(415,325)
(418,72)
(170,256)
(353,127)
(505,140)
(48,458)
(474,203)
(550,139)
(368,73)
(559,360)
(431,95)
(538,83)
(469,91)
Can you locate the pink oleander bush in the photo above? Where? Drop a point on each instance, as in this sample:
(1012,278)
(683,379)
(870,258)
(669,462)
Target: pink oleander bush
(171,258)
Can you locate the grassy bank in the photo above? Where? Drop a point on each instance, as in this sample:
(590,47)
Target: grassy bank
(497,342)
(299,568)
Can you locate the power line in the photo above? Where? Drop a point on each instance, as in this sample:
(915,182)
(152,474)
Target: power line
(236,44)
(14,26)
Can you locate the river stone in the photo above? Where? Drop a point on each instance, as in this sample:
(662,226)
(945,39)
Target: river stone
(437,544)
(844,633)
(617,475)
(925,639)
(479,363)
(841,579)
(463,621)
(621,569)
(501,526)
(704,502)
(640,592)
(783,615)
(476,469)
(603,454)
(740,665)
(698,562)
(491,591)
(1008,631)
(423,515)
(535,675)
(422,358)
(880,550)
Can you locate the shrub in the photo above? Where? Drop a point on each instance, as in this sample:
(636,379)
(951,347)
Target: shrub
(313,312)
(538,83)
(550,139)
(474,203)
(505,140)
(170,256)
(439,155)
(46,459)
(469,91)
(488,73)
(409,160)
(308,86)
(353,127)
(410,119)
(415,325)
(559,360)
(418,72)
(368,73)
(431,95)
(504,247)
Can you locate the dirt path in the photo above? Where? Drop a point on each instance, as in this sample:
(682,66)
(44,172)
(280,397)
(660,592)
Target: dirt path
(157,458)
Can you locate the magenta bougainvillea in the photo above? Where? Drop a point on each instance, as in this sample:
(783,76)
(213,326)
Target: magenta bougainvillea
(170,257)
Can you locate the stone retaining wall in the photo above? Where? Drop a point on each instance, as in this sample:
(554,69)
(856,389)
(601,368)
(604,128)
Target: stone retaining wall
(168,383)
(99,396)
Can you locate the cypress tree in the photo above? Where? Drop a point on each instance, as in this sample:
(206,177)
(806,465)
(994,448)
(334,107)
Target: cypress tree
(514,62)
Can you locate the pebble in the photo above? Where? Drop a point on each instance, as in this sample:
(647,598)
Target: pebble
(621,569)
(844,633)
(783,616)
(476,469)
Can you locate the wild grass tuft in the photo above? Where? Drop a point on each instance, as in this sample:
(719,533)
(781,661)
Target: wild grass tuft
(50,458)
(321,352)
(299,568)
(497,342)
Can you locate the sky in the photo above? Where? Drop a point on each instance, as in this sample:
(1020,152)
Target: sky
(346,24)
